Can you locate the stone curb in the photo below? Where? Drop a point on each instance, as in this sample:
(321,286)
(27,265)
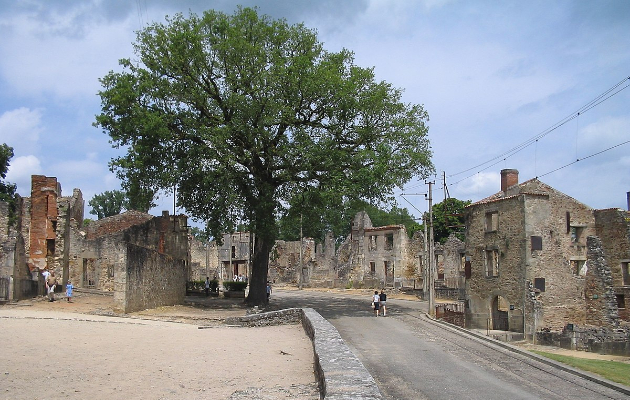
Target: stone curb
(341,375)
(591,377)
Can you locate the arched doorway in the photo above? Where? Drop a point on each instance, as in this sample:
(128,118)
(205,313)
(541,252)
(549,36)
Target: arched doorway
(500,309)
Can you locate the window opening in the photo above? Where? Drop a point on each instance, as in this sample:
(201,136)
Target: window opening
(389,241)
(579,267)
(625,270)
(372,244)
(50,247)
(621,301)
(539,283)
(536,243)
(492,262)
(492,221)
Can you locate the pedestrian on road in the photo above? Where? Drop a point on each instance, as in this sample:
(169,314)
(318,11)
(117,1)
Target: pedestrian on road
(207,285)
(69,288)
(376,299)
(383,302)
(268,291)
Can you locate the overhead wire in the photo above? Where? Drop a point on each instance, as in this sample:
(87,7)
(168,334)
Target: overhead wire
(516,149)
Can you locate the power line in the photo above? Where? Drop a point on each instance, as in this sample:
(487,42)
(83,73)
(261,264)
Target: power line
(584,158)
(591,104)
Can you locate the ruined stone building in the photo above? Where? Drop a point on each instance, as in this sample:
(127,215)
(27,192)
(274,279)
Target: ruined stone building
(526,262)
(143,259)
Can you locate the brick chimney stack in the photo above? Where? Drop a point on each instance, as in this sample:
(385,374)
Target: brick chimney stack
(509,177)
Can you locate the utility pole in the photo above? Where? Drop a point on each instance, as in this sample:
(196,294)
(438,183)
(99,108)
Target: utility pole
(301,277)
(431,254)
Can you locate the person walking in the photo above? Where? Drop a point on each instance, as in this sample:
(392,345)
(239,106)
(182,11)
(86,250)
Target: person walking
(376,299)
(268,291)
(207,285)
(69,288)
(383,302)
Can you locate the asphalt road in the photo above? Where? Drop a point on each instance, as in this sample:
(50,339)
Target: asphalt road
(411,357)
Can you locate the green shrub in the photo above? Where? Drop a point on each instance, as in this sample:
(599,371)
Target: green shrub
(234,286)
(201,285)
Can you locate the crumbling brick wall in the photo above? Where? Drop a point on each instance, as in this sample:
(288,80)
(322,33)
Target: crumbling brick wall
(116,223)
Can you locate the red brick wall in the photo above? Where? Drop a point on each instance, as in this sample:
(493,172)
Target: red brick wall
(116,223)
(44,193)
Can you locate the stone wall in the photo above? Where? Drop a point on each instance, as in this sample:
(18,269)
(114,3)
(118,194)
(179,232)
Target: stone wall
(204,260)
(540,237)
(149,279)
(509,244)
(601,304)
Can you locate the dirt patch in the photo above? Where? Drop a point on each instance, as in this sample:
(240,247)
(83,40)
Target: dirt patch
(82,349)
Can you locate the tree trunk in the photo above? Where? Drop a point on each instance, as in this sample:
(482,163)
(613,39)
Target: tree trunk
(258,283)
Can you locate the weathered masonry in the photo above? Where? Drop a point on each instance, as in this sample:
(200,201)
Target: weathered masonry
(529,266)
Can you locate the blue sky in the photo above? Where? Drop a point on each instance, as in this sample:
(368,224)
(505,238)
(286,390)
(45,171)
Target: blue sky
(491,74)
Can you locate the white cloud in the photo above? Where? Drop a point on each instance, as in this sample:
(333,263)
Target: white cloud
(479,185)
(52,60)
(21,128)
(20,171)
(604,133)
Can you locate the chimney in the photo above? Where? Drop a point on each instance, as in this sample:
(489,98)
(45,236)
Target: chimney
(509,177)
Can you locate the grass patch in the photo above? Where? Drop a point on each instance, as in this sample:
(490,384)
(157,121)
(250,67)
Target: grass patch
(612,370)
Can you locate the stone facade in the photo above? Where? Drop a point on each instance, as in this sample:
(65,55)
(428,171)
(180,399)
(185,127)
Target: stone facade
(529,268)
(143,259)
(613,228)
(204,260)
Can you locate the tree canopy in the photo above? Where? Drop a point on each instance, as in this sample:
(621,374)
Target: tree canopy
(7,189)
(448,217)
(108,203)
(316,221)
(246,114)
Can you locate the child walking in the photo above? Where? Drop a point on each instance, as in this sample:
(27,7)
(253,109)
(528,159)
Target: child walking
(69,288)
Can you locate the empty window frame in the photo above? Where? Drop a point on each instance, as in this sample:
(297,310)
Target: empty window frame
(389,241)
(579,267)
(50,247)
(492,221)
(621,301)
(576,233)
(625,271)
(372,244)
(539,283)
(372,268)
(536,242)
(492,262)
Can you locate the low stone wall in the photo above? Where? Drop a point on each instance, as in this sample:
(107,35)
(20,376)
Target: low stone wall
(340,374)
(593,339)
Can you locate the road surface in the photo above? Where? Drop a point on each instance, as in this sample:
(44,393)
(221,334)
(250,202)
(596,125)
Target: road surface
(411,357)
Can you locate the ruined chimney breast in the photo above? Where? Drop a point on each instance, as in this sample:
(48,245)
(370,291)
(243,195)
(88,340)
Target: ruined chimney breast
(509,177)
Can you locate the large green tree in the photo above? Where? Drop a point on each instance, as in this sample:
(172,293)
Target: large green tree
(245,114)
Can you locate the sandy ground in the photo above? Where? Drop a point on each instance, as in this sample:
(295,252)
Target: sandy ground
(81,350)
